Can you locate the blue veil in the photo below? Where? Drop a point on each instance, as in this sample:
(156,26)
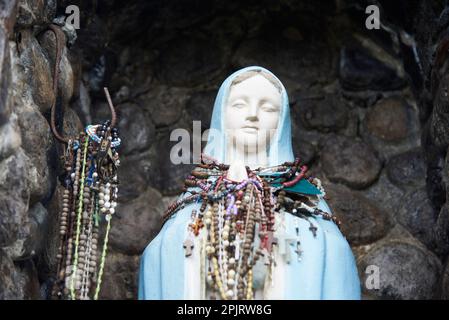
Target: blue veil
(327,268)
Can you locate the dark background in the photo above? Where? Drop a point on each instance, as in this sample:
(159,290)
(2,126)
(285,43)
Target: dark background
(369,107)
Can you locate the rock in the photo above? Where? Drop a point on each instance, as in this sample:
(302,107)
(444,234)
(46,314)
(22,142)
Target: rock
(407,170)
(189,61)
(134,175)
(32,12)
(305,150)
(406,270)
(26,281)
(385,194)
(388,120)
(14,197)
(169,178)
(297,62)
(441,231)
(200,105)
(66,83)
(362,221)
(5,76)
(138,221)
(8,289)
(325,115)
(11,139)
(120,277)
(34,242)
(445,283)
(136,130)
(439,121)
(38,144)
(349,161)
(417,215)
(359,70)
(8,13)
(164,104)
(72,125)
(36,71)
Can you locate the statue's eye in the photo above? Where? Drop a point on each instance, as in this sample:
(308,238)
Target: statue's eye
(239,104)
(268,107)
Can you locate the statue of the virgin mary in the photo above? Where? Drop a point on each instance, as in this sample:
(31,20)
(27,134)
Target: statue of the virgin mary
(251,224)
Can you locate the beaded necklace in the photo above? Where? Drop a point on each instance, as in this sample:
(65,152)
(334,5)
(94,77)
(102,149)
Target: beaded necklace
(235,214)
(89,200)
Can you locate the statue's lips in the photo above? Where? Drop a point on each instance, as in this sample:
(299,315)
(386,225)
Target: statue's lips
(250,129)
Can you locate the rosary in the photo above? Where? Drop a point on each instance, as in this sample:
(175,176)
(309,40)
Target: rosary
(235,214)
(89,200)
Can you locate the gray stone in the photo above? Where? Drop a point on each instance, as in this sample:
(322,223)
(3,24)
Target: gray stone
(200,105)
(349,161)
(445,283)
(407,170)
(304,150)
(8,288)
(38,144)
(359,70)
(5,76)
(297,62)
(388,120)
(136,130)
(325,115)
(406,269)
(32,12)
(72,125)
(385,194)
(362,221)
(134,175)
(14,197)
(36,71)
(137,222)
(417,215)
(8,13)
(440,115)
(120,277)
(169,178)
(164,104)
(10,137)
(442,232)
(189,61)
(66,83)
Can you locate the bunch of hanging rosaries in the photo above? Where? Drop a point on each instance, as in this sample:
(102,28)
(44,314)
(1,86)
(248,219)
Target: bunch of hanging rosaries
(89,199)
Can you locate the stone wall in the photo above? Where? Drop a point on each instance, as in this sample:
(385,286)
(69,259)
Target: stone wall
(369,118)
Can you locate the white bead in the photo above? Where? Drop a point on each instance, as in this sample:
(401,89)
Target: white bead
(226,243)
(103,210)
(231,273)
(113,204)
(101,202)
(101,195)
(107,197)
(95,175)
(231,282)
(107,204)
(232,260)
(108,185)
(230,293)
(111,210)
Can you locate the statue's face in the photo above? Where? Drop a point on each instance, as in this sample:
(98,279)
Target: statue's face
(252,113)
